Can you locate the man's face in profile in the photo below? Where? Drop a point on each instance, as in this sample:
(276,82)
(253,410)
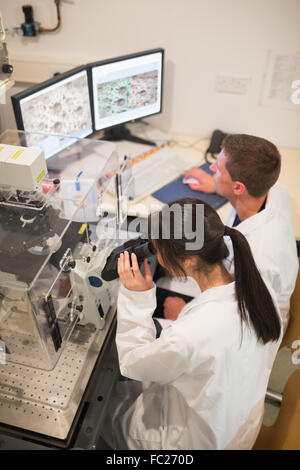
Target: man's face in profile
(222,179)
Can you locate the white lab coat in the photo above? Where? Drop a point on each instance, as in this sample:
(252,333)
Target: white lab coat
(201,384)
(271,238)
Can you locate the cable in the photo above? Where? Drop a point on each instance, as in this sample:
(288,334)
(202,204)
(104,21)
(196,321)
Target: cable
(182,144)
(50,30)
(212,156)
(2,30)
(185,145)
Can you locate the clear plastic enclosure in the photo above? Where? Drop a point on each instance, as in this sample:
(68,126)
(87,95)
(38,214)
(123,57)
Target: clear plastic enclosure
(49,262)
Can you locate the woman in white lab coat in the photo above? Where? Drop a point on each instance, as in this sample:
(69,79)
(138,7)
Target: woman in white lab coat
(201,384)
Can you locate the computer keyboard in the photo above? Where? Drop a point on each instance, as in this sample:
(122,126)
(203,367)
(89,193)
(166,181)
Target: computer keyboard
(155,169)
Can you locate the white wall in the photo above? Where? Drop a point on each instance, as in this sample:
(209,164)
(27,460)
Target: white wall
(201,39)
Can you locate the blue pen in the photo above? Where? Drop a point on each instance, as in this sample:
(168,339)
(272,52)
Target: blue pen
(77,184)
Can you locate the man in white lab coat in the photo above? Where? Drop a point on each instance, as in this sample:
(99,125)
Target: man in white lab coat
(245,173)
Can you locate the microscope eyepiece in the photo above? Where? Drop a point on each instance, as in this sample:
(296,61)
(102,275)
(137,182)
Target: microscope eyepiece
(142,248)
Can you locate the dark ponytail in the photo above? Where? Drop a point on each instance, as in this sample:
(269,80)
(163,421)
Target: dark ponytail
(255,303)
(254,299)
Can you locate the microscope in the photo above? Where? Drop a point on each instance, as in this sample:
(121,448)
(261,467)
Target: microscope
(56,309)
(141,247)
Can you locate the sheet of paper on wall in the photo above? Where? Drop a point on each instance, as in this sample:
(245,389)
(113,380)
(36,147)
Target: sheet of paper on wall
(279,88)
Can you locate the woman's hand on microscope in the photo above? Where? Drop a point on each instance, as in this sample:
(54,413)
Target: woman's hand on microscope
(131,276)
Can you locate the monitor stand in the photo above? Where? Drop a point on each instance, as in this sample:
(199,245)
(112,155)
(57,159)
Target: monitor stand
(122,133)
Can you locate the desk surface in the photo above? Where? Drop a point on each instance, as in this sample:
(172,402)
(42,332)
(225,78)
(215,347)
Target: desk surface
(193,148)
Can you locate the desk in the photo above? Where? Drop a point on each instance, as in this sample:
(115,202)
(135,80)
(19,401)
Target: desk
(193,148)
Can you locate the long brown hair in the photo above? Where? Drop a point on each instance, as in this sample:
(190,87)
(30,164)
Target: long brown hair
(255,303)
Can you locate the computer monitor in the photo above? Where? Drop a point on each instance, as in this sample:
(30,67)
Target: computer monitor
(59,107)
(125,89)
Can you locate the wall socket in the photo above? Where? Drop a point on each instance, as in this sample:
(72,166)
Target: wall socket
(230,84)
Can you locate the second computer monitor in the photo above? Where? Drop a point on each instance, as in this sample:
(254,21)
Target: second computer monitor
(126,88)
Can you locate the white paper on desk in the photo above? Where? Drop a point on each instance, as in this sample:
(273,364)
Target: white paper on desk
(281,70)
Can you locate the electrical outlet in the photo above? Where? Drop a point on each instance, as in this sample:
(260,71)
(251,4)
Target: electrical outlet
(229,84)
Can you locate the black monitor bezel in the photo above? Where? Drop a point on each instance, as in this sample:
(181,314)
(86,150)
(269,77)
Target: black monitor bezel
(16,99)
(90,67)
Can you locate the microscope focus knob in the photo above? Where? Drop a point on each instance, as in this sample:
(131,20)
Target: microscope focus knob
(95,281)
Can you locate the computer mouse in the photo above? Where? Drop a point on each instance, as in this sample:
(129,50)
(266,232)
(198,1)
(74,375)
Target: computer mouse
(190,180)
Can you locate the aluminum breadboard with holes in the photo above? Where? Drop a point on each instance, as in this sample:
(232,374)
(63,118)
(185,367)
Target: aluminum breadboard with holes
(46,402)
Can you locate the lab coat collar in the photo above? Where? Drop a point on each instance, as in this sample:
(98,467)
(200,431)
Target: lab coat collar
(214,294)
(273,205)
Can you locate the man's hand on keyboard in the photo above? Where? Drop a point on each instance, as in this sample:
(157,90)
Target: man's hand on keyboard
(205,181)
(173,307)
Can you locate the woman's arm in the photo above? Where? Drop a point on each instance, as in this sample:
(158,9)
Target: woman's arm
(141,355)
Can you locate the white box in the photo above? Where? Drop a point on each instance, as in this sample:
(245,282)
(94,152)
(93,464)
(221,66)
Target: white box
(22,168)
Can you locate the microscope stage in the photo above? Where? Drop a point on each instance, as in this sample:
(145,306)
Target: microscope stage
(46,401)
